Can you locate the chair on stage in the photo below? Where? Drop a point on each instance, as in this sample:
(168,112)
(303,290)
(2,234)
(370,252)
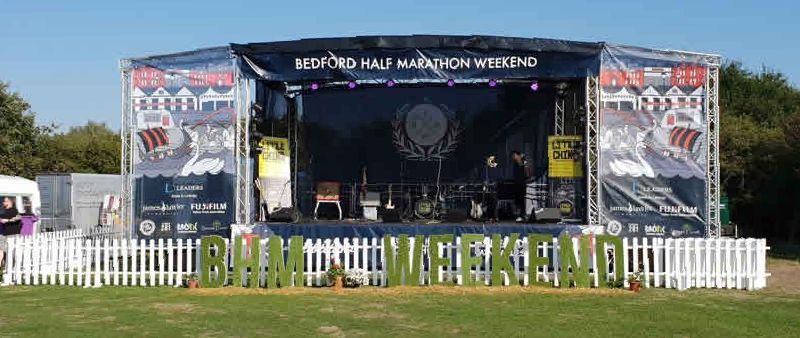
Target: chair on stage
(328,192)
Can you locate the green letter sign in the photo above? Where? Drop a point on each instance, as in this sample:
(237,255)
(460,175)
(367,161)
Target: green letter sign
(501,261)
(436,260)
(242,261)
(279,273)
(580,272)
(537,260)
(602,259)
(468,261)
(207,277)
(400,266)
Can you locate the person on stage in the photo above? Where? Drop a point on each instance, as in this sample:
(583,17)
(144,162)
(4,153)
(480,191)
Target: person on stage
(520,174)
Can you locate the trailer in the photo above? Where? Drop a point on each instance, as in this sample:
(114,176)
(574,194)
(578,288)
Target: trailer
(74,201)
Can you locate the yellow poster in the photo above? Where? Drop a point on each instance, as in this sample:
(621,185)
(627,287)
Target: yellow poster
(564,156)
(274,158)
(274,173)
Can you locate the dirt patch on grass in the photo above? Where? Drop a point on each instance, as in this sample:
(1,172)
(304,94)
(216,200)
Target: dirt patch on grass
(174,308)
(785,276)
(333,331)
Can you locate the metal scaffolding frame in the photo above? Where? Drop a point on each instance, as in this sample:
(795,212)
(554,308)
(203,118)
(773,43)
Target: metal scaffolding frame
(244,182)
(713,229)
(126,161)
(559,118)
(593,216)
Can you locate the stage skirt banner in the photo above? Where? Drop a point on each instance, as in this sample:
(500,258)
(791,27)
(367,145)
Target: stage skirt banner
(564,156)
(652,140)
(274,172)
(184,166)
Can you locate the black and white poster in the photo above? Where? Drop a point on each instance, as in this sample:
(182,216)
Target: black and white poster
(653,148)
(184,115)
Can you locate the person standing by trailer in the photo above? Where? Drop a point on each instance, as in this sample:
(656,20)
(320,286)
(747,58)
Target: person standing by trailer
(9,217)
(28,219)
(520,174)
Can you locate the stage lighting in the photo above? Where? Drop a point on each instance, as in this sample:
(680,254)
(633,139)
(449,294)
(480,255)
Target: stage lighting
(351,85)
(492,83)
(535,85)
(451,83)
(561,89)
(390,83)
(314,86)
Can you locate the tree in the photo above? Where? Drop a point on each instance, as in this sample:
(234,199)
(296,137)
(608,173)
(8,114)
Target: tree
(22,142)
(759,134)
(92,148)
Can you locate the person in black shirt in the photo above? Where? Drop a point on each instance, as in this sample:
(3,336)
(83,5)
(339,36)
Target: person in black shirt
(9,217)
(520,177)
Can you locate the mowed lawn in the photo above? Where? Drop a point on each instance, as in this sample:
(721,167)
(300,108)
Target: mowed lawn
(404,312)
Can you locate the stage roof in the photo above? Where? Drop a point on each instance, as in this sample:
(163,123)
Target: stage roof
(282,61)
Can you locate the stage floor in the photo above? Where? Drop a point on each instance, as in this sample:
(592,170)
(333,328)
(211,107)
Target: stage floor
(334,229)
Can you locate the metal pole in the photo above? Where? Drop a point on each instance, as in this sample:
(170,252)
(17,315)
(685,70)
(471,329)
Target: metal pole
(593,216)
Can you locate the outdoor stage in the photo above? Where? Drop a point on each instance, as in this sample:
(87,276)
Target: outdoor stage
(611,136)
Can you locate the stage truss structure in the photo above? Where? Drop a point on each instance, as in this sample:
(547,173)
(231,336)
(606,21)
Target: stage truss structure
(593,216)
(559,118)
(126,161)
(244,182)
(713,228)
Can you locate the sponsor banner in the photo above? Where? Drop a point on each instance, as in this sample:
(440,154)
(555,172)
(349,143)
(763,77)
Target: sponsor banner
(274,172)
(183,207)
(564,156)
(652,140)
(183,159)
(654,206)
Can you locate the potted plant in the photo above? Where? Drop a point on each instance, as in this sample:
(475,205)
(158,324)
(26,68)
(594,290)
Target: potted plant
(336,275)
(635,281)
(192,282)
(355,278)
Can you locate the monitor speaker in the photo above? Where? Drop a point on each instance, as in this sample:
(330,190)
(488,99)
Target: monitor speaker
(390,215)
(548,215)
(289,215)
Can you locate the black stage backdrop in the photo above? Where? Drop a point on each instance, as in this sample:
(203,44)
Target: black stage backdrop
(404,135)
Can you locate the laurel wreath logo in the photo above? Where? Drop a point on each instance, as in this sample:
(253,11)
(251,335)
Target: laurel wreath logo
(415,152)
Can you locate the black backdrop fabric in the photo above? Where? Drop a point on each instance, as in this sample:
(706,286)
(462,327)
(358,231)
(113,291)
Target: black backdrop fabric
(389,131)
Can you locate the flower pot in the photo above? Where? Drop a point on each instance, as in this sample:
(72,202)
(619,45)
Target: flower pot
(338,283)
(635,286)
(193,284)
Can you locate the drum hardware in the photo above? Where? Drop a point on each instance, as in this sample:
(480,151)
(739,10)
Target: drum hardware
(424,207)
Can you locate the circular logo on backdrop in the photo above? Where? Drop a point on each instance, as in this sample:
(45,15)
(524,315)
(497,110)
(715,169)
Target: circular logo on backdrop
(614,228)
(147,227)
(425,131)
(425,124)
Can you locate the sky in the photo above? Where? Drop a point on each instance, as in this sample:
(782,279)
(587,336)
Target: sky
(62,56)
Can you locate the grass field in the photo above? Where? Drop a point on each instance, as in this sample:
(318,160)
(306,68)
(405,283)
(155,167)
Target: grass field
(408,312)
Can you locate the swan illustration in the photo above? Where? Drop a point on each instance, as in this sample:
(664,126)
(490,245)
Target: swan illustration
(637,168)
(199,167)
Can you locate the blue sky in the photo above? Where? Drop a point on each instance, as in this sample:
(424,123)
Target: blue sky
(62,56)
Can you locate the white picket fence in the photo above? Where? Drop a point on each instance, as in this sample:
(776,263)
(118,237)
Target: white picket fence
(72,260)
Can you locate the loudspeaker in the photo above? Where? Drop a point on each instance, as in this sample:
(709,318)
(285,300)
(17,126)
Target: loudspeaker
(548,215)
(289,215)
(390,215)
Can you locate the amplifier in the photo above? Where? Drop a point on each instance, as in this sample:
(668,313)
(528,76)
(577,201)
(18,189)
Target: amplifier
(548,215)
(390,215)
